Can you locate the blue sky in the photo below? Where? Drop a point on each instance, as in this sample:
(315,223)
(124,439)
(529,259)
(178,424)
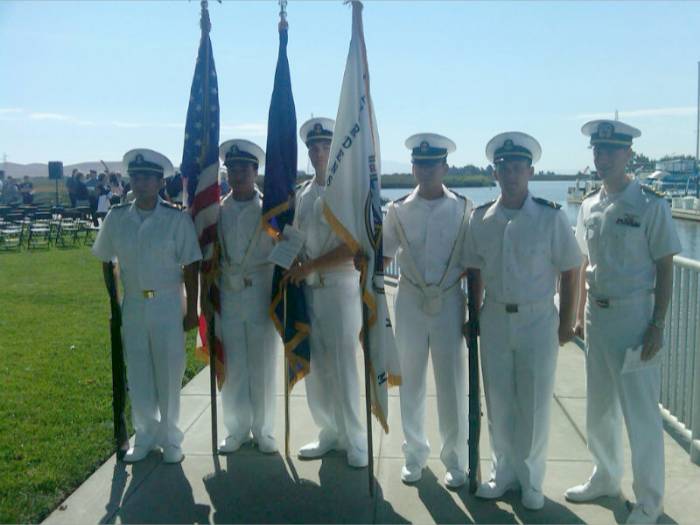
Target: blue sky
(90,80)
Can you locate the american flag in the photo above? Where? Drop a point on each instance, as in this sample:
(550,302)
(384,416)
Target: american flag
(200,168)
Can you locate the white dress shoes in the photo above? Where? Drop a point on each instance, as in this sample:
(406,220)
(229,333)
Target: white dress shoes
(232,444)
(137,453)
(494,489)
(316,449)
(411,473)
(455,478)
(266,445)
(172,454)
(532,499)
(357,458)
(640,514)
(590,490)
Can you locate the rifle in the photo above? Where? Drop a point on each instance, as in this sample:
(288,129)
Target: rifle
(471,333)
(107,170)
(121,436)
(211,341)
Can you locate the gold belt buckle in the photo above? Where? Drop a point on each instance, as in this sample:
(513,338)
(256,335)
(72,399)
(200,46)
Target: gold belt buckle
(512,308)
(149,294)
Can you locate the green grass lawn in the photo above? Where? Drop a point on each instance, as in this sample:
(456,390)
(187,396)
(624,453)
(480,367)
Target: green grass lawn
(55,378)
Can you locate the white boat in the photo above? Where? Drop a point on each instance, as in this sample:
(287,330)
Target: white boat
(576,193)
(686,207)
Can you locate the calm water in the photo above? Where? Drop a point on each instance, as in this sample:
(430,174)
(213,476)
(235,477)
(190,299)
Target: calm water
(688,231)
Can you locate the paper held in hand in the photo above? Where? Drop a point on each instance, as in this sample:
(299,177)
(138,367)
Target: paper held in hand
(286,251)
(633,360)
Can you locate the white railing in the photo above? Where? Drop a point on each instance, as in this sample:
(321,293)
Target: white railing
(680,365)
(391,272)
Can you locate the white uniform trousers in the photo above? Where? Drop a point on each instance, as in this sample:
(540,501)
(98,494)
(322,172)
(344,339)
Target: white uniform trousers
(519,357)
(633,395)
(332,387)
(154,348)
(248,394)
(417,335)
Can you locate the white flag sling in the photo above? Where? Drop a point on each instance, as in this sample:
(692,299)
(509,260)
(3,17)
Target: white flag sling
(352,208)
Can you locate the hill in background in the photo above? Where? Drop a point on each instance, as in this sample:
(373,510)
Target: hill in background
(42,170)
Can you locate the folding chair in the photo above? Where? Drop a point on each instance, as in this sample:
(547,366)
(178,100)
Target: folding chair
(91,229)
(40,231)
(11,232)
(68,230)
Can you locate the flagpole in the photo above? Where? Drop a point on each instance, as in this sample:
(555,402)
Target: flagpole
(283,10)
(205,25)
(357,19)
(286,376)
(368,378)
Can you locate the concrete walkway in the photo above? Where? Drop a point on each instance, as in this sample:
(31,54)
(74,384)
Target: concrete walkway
(248,487)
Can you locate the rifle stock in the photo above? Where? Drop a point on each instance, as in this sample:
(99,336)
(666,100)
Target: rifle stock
(121,436)
(211,341)
(472,334)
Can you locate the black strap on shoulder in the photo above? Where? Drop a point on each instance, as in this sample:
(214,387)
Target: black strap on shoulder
(170,205)
(592,192)
(485,205)
(651,191)
(545,202)
(401,199)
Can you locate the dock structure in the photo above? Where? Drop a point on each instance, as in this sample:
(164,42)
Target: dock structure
(249,487)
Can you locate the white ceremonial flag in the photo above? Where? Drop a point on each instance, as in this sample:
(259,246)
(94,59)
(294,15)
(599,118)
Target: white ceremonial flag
(353,209)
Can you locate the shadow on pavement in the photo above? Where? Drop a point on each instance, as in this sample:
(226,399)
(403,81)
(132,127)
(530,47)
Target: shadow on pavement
(262,489)
(119,492)
(169,500)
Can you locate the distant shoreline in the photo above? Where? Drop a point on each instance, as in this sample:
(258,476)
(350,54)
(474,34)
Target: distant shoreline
(408,185)
(480,181)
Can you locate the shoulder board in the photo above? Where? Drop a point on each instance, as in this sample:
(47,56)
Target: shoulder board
(170,205)
(545,202)
(485,205)
(120,206)
(303,185)
(458,195)
(651,191)
(401,199)
(591,193)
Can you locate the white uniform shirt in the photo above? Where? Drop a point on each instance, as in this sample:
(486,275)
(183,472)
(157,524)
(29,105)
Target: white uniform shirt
(431,228)
(238,223)
(308,217)
(151,251)
(520,259)
(623,235)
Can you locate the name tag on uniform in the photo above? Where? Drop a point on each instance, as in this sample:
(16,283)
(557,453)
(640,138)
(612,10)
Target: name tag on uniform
(628,219)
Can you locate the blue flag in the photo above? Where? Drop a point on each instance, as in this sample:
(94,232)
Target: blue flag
(278,211)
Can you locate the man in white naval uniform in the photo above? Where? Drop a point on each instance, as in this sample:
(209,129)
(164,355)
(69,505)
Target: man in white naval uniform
(250,340)
(427,230)
(155,244)
(626,233)
(522,245)
(333,299)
